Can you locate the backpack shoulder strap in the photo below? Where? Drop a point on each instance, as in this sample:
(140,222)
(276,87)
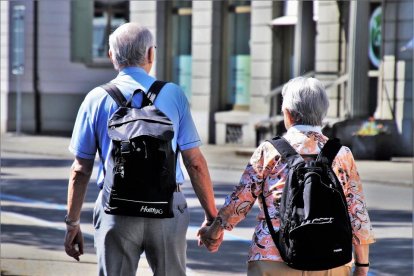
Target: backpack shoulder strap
(330,150)
(153,92)
(115,94)
(286,150)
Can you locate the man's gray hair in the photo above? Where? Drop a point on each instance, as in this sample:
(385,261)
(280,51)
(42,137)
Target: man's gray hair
(129,45)
(306,99)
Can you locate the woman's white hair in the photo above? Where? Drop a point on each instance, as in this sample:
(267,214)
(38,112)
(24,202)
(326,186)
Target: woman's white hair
(306,100)
(129,45)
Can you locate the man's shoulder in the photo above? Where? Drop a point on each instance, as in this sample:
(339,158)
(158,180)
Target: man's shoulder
(172,87)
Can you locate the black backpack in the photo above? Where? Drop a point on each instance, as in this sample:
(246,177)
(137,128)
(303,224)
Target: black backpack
(315,229)
(140,174)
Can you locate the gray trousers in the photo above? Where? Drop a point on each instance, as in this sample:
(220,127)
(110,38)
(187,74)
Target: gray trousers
(120,241)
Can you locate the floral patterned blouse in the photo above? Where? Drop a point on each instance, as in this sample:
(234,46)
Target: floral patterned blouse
(267,172)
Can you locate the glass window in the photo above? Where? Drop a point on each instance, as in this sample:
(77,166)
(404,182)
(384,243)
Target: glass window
(91,24)
(238,85)
(107,17)
(181,41)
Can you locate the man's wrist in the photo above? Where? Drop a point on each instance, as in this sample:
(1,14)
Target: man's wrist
(70,222)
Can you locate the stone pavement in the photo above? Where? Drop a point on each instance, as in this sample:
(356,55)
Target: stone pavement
(225,162)
(398,171)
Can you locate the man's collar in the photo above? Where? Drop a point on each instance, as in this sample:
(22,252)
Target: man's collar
(131,70)
(304,128)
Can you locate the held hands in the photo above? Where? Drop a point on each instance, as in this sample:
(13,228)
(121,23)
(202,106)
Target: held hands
(74,237)
(211,235)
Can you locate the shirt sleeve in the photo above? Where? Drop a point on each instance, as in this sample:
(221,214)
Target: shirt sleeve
(83,142)
(187,137)
(244,195)
(345,168)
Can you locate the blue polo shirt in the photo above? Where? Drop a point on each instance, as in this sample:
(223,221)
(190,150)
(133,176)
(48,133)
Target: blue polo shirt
(90,128)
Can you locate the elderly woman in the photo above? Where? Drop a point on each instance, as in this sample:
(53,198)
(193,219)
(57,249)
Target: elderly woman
(304,107)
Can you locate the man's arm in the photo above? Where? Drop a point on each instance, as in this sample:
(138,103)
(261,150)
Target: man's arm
(80,174)
(200,179)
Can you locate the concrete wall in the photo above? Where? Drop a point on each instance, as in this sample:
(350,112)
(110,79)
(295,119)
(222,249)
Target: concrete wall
(145,13)
(4,63)
(202,20)
(327,51)
(261,65)
(62,83)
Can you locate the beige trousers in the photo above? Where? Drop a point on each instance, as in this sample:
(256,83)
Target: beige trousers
(271,268)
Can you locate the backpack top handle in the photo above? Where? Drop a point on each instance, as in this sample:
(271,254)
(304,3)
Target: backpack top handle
(151,95)
(148,98)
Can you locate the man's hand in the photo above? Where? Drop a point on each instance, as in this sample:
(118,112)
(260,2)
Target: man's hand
(211,236)
(74,237)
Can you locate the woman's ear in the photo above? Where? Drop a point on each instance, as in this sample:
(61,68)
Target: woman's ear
(288,118)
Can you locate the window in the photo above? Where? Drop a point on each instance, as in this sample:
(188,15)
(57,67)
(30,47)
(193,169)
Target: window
(238,54)
(181,41)
(91,24)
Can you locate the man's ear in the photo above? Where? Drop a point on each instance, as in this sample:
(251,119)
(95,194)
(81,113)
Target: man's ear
(150,57)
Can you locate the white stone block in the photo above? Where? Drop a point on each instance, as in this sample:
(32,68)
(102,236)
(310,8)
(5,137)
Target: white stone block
(328,12)
(261,16)
(147,19)
(200,86)
(201,51)
(201,35)
(260,87)
(261,51)
(388,67)
(201,18)
(400,70)
(202,5)
(220,133)
(327,33)
(201,69)
(260,4)
(326,66)
(400,95)
(261,34)
(201,121)
(259,106)
(200,102)
(327,51)
(261,69)
(150,6)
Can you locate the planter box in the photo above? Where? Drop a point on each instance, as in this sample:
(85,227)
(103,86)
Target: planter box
(376,147)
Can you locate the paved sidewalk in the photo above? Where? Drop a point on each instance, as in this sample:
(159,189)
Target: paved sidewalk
(226,164)
(232,159)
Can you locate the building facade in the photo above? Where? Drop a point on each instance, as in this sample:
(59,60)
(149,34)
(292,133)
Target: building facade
(230,57)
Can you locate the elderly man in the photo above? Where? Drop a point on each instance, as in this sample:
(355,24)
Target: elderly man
(305,105)
(120,240)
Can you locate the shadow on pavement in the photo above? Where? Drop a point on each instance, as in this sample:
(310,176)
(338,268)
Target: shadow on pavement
(33,163)
(45,190)
(231,257)
(41,237)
